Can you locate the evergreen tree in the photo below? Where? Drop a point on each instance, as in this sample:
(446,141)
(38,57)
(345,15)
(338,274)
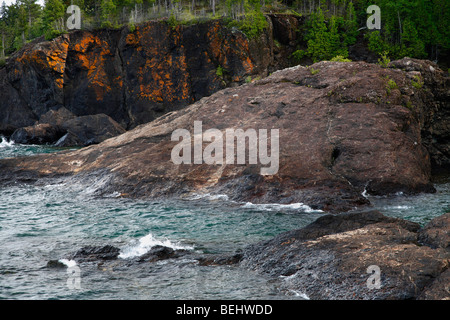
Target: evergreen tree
(53,18)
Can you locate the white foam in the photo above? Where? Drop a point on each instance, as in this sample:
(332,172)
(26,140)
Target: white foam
(300,294)
(5,143)
(277,207)
(400,207)
(209,196)
(144,244)
(68,263)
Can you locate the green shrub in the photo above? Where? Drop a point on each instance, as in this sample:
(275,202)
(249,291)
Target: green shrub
(340,59)
(2,62)
(384,60)
(298,55)
(390,85)
(314,71)
(220,71)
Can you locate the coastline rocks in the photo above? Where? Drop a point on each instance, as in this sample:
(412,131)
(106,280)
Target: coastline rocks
(63,129)
(133,77)
(436,234)
(95,253)
(343,132)
(336,256)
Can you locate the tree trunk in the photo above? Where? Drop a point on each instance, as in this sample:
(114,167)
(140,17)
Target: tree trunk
(3,46)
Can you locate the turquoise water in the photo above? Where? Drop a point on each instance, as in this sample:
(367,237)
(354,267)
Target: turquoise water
(43,223)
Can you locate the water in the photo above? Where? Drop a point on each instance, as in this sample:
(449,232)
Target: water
(43,223)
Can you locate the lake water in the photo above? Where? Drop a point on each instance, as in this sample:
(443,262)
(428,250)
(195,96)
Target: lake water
(43,223)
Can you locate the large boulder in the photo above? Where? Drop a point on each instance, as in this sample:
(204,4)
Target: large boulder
(87,130)
(345,129)
(358,255)
(63,129)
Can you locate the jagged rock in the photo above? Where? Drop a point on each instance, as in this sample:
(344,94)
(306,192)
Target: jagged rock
(94,253)
(158,252)
(330,258)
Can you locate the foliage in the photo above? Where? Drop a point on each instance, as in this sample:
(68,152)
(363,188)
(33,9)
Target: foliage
(384,59)
(220,71)
(417,82)
(414,28)
(314,71)
(298,55)
(340,59)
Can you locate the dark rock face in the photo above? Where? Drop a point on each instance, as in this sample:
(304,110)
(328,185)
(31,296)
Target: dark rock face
(344,128)
(133,77)
(329,259)
(435,118)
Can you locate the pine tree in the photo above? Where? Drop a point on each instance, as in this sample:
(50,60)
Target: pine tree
(53,18)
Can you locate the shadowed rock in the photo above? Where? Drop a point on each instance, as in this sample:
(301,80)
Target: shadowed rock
(329,259)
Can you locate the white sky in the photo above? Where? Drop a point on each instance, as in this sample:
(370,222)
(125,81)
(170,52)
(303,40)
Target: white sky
(8,2)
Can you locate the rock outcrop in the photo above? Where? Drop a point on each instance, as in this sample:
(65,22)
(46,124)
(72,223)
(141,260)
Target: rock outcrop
(341,256)
(63,129)
(133,77)
(344,128)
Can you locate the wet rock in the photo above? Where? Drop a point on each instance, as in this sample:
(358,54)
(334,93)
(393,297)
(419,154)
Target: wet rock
(55,264)
(95,253)
(332,258)
(158,252)
(220,260)
(436,233)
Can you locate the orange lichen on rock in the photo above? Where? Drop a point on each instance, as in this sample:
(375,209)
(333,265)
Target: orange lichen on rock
(90,51)
(49,55)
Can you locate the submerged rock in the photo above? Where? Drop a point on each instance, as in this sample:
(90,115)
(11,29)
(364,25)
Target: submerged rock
(358,255)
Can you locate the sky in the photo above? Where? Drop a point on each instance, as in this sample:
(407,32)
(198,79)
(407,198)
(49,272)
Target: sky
(8,2)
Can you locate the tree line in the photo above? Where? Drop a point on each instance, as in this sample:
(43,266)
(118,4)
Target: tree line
(415,28)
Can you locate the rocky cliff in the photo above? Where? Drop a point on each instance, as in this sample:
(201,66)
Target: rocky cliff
(344,129)
(135,76)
